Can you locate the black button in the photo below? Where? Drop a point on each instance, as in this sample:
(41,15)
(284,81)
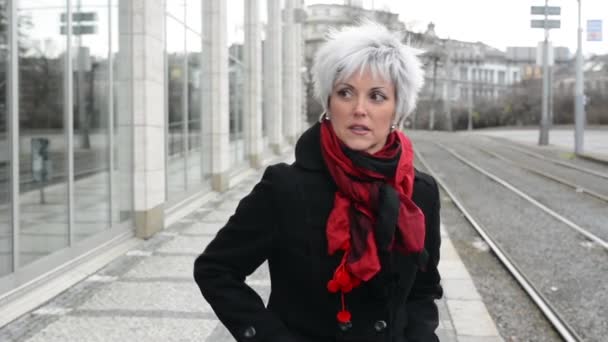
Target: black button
(345,326)
(380,325)
(249,332)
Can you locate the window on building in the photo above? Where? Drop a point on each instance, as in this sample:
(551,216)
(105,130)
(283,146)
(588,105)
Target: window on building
(464,74)
(501,77)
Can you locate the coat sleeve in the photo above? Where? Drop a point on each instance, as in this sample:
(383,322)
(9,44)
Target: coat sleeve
(423,317)
(238,249)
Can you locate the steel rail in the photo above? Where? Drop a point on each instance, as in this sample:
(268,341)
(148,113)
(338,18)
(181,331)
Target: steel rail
(560,324)
(545,174)
(574,226)
(557,161)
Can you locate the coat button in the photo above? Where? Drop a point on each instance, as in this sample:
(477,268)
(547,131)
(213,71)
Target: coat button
(345,326)
(249,332)
(380,325)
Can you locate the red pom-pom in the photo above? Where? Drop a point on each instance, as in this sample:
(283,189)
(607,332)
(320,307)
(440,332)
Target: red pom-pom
(333,286)
(347,288)
(344,316)
(342,278)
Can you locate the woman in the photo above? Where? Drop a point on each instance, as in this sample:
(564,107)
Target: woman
(350,230)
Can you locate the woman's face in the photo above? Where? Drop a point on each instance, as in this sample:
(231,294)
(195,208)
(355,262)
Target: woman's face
(361,110)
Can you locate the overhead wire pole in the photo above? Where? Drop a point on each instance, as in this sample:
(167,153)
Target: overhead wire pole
(579,109)
(543,138)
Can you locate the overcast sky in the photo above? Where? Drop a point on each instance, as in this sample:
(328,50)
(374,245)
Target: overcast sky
(499,23)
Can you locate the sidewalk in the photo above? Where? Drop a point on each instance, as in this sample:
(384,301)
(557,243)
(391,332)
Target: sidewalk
(148,293)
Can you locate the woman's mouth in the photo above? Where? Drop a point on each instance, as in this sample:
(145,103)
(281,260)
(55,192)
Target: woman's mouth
(359,129)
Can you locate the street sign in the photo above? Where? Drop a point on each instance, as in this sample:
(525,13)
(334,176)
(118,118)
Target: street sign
(551,24)
(550,10)
(594,30)
(80,16)
(78,30)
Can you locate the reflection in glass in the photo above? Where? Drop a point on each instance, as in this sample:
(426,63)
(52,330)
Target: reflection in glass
(90,43)
(6,229)
(42,142)
(236,78)
(122,158)
(175,49)
(176,9)
(194,14)
(193,43)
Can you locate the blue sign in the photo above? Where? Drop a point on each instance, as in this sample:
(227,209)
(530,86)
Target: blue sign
(594,30)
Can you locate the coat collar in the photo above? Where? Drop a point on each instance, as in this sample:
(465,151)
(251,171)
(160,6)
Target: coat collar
(308,149)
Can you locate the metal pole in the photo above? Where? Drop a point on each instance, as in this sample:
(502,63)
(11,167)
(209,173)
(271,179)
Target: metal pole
(448,111)
(543,138)
(579,108)
(13,130)
(470,100)
(432,110)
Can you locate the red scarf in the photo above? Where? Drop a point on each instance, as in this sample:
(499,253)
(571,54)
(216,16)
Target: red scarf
(351,224)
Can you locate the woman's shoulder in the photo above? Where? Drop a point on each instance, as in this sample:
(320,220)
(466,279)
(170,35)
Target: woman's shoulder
(424,179)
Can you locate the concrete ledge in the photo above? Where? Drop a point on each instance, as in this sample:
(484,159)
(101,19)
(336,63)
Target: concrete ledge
(594,158)
(39,295)
(220,182)
(468,313)
(149,222)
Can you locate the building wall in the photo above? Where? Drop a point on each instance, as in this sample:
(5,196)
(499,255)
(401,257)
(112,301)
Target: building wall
(104,133)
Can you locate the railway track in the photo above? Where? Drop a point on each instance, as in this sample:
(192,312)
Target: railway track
(536,294)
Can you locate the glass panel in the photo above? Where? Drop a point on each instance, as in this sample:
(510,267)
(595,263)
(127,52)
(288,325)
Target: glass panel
(122,173)
(194,44)
(176,9)
(264,22)
(91,45)
(175,47)
(236,73)
(42,146)
(6,229)
(194,14)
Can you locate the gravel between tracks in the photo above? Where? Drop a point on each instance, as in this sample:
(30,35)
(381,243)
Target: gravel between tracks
(573,278)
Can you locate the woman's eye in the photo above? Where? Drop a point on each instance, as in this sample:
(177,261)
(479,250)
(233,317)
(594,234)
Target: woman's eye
(345,93)
(378,97)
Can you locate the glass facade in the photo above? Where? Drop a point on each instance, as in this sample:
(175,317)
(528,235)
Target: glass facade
(187,169)
(6,229)
(71,152)
(236,81)
(103,128)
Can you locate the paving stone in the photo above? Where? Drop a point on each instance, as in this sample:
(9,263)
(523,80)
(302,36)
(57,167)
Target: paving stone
(103,329)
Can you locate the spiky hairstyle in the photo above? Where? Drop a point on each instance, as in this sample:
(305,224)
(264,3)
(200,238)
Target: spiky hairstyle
(369,46)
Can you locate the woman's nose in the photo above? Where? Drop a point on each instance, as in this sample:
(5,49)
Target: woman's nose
(360,107)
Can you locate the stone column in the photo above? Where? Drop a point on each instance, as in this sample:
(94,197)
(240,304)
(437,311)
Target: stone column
(289,73)
(253,84)
(272,74)
(300,119)
(214,80)
(141,117)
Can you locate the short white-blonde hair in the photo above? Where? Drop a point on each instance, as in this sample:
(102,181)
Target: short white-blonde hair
(372,46)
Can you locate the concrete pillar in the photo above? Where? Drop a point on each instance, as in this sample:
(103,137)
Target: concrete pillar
(299,61)
(254,143)
(289,73)
(142,42)
(272,76)
(214,81)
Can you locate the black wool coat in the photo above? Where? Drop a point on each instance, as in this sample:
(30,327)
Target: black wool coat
(282,221)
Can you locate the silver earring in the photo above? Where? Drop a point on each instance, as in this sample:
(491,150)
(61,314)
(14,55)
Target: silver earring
(393,127)
(324,116)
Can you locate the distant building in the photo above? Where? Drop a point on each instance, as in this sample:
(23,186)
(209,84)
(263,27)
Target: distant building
(322,17)
(596,76)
